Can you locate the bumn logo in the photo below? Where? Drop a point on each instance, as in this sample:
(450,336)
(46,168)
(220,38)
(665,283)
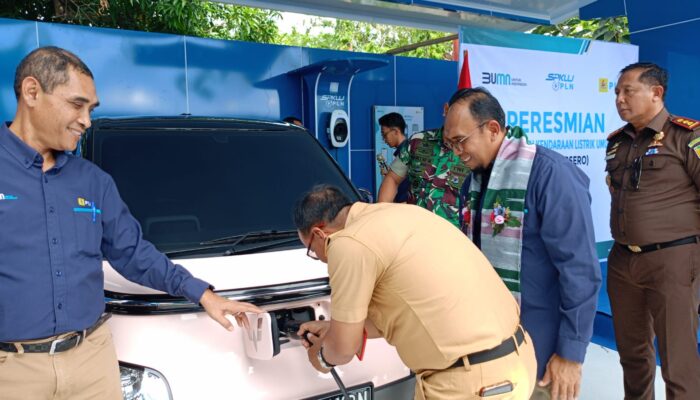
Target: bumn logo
(494,78)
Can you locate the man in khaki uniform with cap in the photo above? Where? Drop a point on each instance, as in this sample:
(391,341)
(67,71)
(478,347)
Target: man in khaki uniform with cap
(653,166)
(400,272)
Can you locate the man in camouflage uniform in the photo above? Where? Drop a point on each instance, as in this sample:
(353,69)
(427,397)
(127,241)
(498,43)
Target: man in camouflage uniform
(435,173)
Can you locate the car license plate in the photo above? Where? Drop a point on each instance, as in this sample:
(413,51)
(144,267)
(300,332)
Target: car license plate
(360,392)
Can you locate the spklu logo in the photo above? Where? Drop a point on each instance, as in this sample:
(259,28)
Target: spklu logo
(561,81)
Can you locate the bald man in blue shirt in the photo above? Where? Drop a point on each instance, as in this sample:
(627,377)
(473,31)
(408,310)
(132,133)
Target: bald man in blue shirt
(60,216)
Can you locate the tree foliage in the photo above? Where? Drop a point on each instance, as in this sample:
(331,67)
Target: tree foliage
(224,21)
(187,17)
(614,29)
(341,34)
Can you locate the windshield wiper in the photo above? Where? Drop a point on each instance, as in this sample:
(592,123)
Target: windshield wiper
(231,249)
(254,249)
(249,236)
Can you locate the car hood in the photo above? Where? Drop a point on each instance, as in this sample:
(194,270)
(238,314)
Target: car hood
(234,272)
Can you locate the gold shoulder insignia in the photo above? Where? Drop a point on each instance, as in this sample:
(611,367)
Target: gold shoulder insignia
(687,123)
(612,135)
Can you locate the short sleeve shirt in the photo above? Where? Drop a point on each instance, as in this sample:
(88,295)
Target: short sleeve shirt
(654,181)
(435,174)
(404,186)
(423,284)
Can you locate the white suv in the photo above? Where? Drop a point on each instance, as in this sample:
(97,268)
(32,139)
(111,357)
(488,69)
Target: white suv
(216,196)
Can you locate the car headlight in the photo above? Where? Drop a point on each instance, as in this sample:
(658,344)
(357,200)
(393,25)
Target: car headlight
(141,383)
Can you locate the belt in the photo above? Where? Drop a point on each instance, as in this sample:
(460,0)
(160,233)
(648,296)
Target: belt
(659,246)
(506,347)
(56,345)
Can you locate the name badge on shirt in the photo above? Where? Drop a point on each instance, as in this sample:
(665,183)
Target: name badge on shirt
(87,206)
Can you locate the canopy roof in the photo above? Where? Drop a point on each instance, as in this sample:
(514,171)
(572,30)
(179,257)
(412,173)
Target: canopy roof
(442,15)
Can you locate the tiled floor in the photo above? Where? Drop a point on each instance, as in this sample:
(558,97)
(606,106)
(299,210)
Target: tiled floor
(602,376)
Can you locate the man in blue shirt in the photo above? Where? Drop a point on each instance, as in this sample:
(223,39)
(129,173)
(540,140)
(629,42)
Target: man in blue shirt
(60,216)
(528,209)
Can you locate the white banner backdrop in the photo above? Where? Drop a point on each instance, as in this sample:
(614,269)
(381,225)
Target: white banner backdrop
(561,91)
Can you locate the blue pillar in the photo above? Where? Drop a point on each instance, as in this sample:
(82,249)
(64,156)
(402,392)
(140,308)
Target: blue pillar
(667,34)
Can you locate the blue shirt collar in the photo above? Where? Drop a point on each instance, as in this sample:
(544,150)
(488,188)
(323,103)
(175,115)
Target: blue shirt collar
(24,154)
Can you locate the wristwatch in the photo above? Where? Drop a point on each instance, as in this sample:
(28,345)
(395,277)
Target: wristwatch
(325,364)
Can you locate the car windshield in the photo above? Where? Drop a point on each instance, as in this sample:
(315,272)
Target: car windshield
(186,187)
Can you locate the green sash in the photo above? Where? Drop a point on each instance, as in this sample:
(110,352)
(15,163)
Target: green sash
(504,207)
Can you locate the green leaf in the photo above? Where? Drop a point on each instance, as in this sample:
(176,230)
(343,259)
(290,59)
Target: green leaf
(513,222)
(611,29)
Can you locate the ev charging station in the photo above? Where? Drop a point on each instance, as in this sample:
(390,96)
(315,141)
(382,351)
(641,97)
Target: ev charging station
(326,102)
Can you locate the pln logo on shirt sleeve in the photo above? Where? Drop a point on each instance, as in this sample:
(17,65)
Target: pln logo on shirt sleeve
(87,206)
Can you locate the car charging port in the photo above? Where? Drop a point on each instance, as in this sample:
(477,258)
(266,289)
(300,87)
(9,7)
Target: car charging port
(289,320)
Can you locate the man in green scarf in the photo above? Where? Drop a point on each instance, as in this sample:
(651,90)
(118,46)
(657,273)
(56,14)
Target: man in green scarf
(528,209)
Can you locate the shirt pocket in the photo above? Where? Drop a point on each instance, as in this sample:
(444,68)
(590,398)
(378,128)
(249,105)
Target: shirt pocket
(652,177)
(88,233)
(9,205)
(456,176)
(614,176)
(5,210)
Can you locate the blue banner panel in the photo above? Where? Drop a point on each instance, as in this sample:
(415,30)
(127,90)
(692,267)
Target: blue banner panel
(361,160)
(648,15)
(18,39)
(136,73)
(674,49)
(142,73)
(242,79)
(428,84)
(602,9)
(514,40)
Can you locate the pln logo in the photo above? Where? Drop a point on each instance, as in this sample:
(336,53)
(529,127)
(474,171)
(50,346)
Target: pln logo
(4,196)
(605,85)
(84,203)
(561,81)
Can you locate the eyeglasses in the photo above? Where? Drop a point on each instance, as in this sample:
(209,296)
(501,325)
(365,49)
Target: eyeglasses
(459,143)
(386,132)
(310,253)
(636,172)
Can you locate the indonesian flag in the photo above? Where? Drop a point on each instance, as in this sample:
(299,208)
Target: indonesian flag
(465,81)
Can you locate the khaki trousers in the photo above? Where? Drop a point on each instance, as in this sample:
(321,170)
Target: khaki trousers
(657,294)
(89,371)
(464,383)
